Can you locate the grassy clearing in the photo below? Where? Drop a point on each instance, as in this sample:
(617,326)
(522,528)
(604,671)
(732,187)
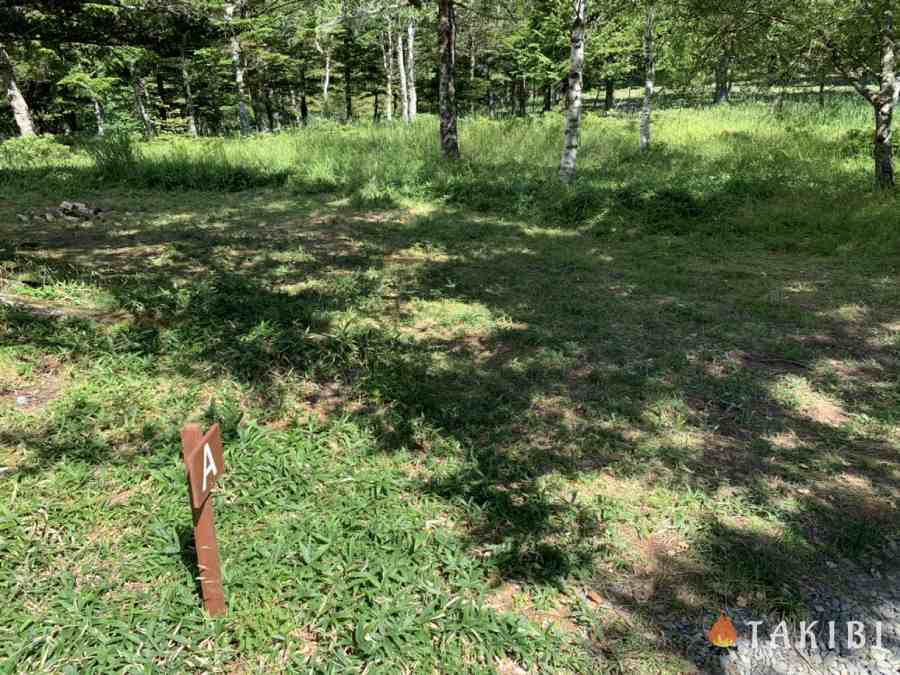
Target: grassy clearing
(474,421)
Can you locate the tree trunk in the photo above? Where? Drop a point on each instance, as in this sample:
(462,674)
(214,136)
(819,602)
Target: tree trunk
(163,96)
(238,64)
(21,111)
(349,50)
(140,105)
(548,98)
(649,76)
(255,103)
(883,151)
(326,79)
(348,90)
(404,85)
(822,92)
(447,88)
(472,72)
(70,122)
(304,106)
(295,108)
(188,97)
(99,116)
(522,97)
(269,105)
(387,54)
(609,100)
(884,103)
(411,67)
(779,100)
(723,85)
(573,114)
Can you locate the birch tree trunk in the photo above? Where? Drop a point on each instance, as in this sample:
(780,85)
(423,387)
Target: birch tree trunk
(140,105)
(326,79)
(472,70)
(411,66)
(404,85)
(21,111)
(387,54)
(349,50)
(649,75)
(884,103)
(188,97)
(99,117)
(447,88)
(238,64)
(573,113)
(295,108)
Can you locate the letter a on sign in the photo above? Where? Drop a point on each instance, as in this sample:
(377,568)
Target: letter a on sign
(204,465)
(209,465)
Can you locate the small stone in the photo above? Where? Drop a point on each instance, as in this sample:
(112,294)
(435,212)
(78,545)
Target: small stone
(22,400)
(22,217)
(49,217)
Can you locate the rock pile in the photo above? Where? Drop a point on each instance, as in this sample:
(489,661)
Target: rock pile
(67,211)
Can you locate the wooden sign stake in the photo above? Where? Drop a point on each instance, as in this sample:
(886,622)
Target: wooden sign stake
(203,460)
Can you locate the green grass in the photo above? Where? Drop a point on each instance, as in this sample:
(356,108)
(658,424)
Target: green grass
(473,419)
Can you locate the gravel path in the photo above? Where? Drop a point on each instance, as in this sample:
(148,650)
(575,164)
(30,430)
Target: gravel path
(868,598)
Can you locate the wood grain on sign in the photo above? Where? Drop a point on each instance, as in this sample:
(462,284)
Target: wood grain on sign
(205,463)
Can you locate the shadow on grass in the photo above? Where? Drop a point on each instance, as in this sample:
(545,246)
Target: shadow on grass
(664,362)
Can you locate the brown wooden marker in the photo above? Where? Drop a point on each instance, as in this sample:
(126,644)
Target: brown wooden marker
(204,462)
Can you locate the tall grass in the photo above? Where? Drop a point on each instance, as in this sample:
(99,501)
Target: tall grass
(796,178)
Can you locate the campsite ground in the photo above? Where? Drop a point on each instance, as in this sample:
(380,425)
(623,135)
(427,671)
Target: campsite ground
(473,420)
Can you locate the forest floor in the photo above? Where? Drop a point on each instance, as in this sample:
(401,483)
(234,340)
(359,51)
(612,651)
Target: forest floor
(455,440)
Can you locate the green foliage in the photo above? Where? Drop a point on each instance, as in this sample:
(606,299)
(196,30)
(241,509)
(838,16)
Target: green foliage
(35,152)
(114,154)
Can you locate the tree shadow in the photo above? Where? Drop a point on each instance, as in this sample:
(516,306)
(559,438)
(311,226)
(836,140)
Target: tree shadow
(651,361)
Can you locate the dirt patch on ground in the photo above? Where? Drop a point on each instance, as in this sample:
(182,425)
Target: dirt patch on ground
(45,308)
(823,411)
(510,597)
(43,387)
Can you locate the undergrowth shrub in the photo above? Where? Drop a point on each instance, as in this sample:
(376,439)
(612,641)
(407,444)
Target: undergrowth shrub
(32,152)
(114,155)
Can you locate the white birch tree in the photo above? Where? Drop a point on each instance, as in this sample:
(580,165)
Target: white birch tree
(649,74)
(21,111)
(569,160)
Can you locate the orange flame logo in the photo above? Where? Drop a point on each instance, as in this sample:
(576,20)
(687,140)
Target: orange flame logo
(722,633)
